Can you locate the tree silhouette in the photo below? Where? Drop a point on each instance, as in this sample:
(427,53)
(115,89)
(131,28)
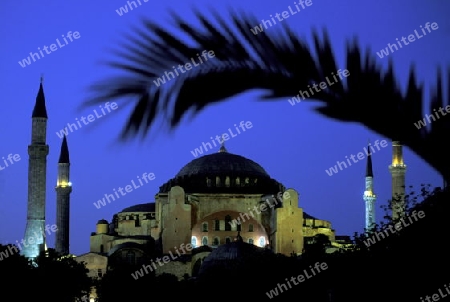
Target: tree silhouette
(278,61)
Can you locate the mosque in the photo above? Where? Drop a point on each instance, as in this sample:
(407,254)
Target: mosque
(202,208)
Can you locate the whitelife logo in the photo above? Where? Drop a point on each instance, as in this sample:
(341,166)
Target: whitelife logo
(124,9)
(284,15)
(423,122)
(323,86)
(225,137)
(90,118)
(152,266)
(243,217)
(393,228)
(360,156)
(188,66)
(30,240)
(11,158)
(411,38)
(25,62)
(128,188)
(318,267)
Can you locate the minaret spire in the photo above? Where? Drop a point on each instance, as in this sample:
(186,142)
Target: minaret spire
(37,179)
(63,189)
(369,196)
(398,171)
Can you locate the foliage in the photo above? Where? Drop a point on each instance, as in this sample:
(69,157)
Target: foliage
(277,61)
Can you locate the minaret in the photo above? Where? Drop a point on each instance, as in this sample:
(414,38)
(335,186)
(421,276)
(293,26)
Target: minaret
(63,189)
(37,175)
(398,170)
(369,196)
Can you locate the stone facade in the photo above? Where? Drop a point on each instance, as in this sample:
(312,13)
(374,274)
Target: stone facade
(205,206)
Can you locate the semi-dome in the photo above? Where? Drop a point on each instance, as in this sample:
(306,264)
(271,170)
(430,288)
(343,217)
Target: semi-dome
(234,258)
(143,207)
(223,172)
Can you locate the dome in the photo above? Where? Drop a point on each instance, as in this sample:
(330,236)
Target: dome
(233,258)
(222,162)
(102,221)
(143,207)
(223,172)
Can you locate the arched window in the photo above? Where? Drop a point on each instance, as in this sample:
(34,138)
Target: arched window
(262,241)
(228,223)
(204,227)
(238,227)
(194,242)
(101,249)
(217,181)
(217,225)
(250,227)
(208,182)
(250,240)
(238,181)
(227,240)
(227,181)
(216,241)
(205,240)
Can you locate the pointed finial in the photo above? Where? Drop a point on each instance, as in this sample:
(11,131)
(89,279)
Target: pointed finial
(42,78)
(222,145)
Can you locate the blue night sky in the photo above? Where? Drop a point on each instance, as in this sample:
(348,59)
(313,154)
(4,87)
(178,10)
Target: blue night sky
(293,143)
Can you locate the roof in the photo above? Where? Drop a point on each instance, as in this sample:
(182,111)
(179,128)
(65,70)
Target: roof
(39,107)
(64,154)
(223,172)
(143,207)
(222,163)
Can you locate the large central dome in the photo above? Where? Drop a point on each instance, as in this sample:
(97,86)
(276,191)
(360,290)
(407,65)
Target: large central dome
(222,162)
(223,172)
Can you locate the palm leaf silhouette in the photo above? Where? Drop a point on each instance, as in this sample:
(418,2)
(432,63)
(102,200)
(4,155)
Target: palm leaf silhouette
(277,61)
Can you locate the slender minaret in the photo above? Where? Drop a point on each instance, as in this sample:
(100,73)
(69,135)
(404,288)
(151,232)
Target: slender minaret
(398,170)
(63,189)
(37,175)
(369,196)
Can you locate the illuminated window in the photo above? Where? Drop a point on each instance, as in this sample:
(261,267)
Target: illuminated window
(250,240)
(194,241)
(238,181)
(99,273)
(204,227)
(250,227)
(228,223)
(227,181)
(208,181)
(205,240)
(262,241)
(217,181)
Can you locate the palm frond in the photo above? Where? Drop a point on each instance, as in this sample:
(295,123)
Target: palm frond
(278,61)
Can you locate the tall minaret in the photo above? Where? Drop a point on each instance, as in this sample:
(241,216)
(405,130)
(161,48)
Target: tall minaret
(398,170)
(369,196)
(37,175)
(63,190)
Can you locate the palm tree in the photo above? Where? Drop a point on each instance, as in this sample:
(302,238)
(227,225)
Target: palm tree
(277,61)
